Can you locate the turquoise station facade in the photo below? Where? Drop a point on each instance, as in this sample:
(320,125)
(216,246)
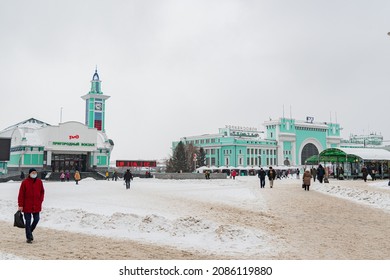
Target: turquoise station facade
(298,140)
(286,141)
(70,145)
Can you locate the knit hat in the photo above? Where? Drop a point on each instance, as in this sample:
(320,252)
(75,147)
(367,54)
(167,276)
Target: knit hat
(31,170)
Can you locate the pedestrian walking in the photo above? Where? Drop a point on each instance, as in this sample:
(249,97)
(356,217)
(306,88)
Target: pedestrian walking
(307,179)
(320,173)
(271,176)
(234,174)
(30,198)
(62,176)
(261,174)
(115,176)
(364,173)
(67,175)
(128,177)
(297,172)
(313,172)
(77,177)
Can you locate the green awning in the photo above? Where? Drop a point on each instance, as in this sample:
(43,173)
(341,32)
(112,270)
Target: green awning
(349,155)
(314,159)
(337,155)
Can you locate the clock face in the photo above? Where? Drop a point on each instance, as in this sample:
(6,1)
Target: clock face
(98,106)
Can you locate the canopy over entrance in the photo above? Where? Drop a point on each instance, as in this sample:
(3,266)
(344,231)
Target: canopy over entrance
(350,155)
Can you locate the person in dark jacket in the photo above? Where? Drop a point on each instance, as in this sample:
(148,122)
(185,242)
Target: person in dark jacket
(320,173)
(261,174)
(128,177)
(30,198)
(364,173)
(313,172)
(271,176)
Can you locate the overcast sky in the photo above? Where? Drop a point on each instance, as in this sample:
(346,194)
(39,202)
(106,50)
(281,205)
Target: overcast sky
(184,68)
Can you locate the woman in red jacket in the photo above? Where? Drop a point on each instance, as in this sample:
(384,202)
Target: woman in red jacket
(30,198)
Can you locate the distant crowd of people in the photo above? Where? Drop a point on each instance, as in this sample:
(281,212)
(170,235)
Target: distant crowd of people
(272,174)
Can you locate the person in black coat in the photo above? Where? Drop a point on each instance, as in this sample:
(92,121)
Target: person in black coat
(320,173)
(271,176)
(128,177)
(364,173)
(261,174)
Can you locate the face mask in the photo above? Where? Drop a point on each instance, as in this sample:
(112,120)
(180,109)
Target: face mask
(33,176)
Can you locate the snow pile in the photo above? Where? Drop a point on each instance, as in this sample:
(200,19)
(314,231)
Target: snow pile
(372,195)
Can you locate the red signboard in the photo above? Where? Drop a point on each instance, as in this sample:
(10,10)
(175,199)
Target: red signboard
(98,125)
(136,163)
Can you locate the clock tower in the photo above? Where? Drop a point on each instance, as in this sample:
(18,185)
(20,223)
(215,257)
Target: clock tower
(95,105)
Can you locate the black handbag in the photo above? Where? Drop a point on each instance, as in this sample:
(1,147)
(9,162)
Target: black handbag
(18,220)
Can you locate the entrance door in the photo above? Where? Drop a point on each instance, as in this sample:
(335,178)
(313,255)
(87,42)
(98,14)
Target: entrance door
(71,162)
(308,150)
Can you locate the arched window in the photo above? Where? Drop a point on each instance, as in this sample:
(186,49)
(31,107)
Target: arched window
(308,150)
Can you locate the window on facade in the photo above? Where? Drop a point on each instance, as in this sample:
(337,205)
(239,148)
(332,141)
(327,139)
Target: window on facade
(212,161)
(255,151)
(247,161)
(207,141)
(196,141)
(247,151)
(212,151)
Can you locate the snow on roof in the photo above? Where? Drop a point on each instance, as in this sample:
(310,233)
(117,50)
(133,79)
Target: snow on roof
(367,153)
(30,123)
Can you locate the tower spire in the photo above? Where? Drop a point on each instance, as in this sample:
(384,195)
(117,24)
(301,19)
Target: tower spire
(95,104)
